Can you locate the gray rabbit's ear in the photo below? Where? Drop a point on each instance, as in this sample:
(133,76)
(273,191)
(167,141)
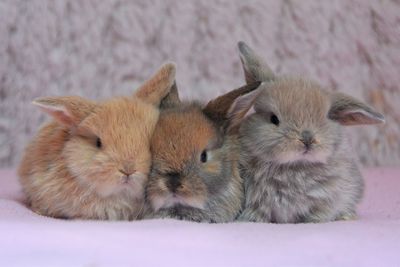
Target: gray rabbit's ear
(66,110)
(229,109)
(349,111)
(255,69)
(158,86)
(172,99)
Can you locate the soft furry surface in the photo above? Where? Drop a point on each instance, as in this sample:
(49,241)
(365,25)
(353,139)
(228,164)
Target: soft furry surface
(99,153)
(295,160)
(28,239)
(98,48)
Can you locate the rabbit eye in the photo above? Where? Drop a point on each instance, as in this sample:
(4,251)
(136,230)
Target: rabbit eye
(274,119)
(203,156)
(98,143)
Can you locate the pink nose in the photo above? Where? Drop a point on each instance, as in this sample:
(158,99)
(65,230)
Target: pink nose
(127,173)
(127,168)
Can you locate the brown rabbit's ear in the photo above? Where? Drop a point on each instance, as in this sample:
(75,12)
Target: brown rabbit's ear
(158,86)
(67,110)
(229,109)
(349,111)
(172,99)
(255,69)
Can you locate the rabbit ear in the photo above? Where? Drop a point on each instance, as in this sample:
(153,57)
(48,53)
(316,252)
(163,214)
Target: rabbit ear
(158,86)
(255,69)
(349,111)
(67,110)
(172,99)
(229,109)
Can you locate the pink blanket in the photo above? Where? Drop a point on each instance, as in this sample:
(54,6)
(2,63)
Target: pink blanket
(27,239)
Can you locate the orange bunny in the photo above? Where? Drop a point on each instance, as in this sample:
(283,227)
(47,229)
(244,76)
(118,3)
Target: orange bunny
(92,161)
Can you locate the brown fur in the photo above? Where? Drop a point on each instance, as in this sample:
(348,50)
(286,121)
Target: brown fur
(209,191)
(64,174)
(191,123)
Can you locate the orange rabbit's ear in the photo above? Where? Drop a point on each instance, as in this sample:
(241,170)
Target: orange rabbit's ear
(67,110)
(229,109)
(349,111)
(158,86)
(255,69)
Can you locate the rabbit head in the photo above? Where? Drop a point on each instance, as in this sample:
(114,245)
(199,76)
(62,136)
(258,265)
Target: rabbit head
(296,120)
(108,148)
(194,152)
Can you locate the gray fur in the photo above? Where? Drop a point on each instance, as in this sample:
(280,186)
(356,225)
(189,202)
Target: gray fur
(285,182)
(253,67)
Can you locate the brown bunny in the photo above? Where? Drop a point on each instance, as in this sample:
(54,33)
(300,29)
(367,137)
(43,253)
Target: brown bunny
(195,172)
(92,161)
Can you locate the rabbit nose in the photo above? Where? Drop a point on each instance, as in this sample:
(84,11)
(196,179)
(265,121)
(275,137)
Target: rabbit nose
(125,172)
(307,138)
(127,168)
(174,181)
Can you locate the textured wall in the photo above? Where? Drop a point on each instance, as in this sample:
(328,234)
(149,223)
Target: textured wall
(99,48)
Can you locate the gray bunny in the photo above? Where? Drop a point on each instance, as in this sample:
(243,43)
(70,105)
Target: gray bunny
(295,159)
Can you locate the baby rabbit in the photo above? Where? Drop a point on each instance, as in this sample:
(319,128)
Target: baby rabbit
(295,159)
(195,173)
(93,160)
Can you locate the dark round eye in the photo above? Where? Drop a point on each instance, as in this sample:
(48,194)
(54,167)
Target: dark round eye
(203,156)
(274,119)
(98,142)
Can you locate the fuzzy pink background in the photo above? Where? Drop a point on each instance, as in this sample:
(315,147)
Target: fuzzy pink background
(102,48)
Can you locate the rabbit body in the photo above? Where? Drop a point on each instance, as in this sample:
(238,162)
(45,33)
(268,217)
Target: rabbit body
(195,174)
(280,186)
(92,160)
(296,160)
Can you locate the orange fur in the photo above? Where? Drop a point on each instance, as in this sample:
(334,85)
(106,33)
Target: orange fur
(190,123)
(195,154)
(173,154)
(64,174)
